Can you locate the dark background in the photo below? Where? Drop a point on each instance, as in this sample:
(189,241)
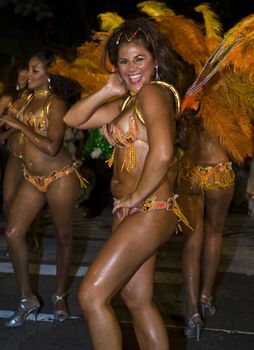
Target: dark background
(29,25)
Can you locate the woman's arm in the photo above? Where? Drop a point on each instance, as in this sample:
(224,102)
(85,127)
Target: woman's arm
(158,112)
(95,110)
(51,143)
(4,103)
(5,134)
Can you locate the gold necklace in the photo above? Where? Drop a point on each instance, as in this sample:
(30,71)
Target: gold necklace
(41,93)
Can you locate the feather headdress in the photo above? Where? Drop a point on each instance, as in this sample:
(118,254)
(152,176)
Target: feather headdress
(109,21)
(226,107)
(185,35)
(211,66)
(242,57)
(235,51)
(225,104)
(213,26)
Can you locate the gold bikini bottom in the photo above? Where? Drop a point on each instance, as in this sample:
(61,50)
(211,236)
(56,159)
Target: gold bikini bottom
(169,204)
(216,177)
(42,182)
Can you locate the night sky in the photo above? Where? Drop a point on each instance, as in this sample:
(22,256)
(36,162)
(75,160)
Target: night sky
(64,25)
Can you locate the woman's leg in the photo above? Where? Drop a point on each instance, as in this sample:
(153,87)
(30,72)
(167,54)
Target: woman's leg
(138,296)
(217,205)
(62,196)
(191,200)
(131,244)
(13,176)
(26,205)
(192,248)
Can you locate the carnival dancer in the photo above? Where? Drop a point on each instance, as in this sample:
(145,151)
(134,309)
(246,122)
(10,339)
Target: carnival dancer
(49,177)
(217,110)
(137,109)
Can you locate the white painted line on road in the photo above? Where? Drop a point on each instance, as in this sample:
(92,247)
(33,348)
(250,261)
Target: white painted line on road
(50,270)
(229,331)
(43,269)
(41,317)
(50,318)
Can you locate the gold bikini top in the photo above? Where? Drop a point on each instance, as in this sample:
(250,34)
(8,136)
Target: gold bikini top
(118,138)
(40,122)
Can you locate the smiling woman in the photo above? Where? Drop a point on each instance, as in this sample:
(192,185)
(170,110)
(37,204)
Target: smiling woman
(49,176)
(138,113)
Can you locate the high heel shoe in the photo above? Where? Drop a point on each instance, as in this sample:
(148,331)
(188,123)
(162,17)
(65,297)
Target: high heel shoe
(207,308)
(60,307)
(194,327)
(26,306)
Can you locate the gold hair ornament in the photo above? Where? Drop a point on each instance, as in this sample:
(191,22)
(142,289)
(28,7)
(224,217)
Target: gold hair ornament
(129,39)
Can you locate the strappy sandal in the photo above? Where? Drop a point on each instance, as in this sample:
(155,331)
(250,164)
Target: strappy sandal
(194,327)
(60,307)
(207,308)
(26,307)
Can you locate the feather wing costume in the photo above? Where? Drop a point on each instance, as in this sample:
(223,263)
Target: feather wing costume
(223,92)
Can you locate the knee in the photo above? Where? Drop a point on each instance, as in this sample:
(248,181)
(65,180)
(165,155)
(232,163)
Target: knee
(11,235)
(89,298)
(213,230)
(64,238)
(134,301)
(192,246)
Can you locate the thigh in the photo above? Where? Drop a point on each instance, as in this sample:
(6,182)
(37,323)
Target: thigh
(26,205)
(62,196)
(217,204)
(133,241)
(191,200)
(139,289)
(13,176)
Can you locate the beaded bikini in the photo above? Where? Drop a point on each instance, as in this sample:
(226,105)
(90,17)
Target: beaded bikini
(40,126)
(127,140)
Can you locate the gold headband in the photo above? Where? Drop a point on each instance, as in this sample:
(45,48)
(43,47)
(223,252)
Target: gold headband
(129,39)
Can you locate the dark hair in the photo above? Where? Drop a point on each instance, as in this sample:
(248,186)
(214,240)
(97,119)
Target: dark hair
(144,31)
(67,89)
(10,80)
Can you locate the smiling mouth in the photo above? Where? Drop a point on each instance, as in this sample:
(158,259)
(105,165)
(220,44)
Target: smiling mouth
(135,78)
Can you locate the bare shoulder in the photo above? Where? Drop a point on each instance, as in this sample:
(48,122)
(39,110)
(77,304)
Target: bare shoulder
(153,92)
(162,93)
(55,104)
(56,101)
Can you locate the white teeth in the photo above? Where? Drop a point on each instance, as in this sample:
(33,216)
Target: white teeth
(136,76)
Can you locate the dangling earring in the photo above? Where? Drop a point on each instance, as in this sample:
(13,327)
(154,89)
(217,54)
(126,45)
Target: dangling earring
(120,80)
(49,86)
(17,87)
(157,77)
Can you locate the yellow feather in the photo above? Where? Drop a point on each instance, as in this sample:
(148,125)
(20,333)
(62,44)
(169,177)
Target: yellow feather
(245,25)
(184,34)
(212,25)
(241,57)
(110,21)
(155,9)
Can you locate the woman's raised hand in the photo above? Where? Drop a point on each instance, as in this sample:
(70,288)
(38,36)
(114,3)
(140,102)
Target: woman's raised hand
(116,84)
